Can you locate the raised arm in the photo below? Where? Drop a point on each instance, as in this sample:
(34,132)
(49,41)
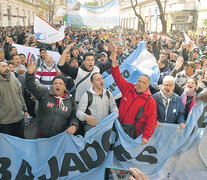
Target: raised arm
(120,81)
(65,67)
(65,52)
(107,65)
(37,90)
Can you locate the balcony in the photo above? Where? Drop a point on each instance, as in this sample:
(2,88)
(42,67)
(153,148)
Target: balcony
(181,5)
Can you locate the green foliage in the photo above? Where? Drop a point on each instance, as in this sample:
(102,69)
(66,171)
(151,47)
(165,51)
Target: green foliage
(92,3)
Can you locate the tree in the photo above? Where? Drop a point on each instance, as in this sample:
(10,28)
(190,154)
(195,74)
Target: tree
(162,15)
(52,7)
(92,3)
(138,16)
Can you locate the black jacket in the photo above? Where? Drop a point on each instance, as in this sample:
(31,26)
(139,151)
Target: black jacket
(51,119)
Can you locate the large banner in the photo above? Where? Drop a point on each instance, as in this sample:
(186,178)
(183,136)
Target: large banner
(73,157)
(34,52)
(105,16)
(135,62)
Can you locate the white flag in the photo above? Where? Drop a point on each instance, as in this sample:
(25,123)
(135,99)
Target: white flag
(61,12)
(46,33)
(187,39)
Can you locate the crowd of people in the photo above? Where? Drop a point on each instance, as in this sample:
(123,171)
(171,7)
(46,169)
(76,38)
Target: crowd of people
(70,94)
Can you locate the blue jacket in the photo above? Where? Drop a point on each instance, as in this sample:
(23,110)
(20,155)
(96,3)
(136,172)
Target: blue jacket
(175,114)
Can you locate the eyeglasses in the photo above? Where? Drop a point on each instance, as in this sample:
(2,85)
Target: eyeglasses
(86,44)
(197,63)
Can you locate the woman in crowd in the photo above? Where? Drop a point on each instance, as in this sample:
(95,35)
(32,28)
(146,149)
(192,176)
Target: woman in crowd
(189,95)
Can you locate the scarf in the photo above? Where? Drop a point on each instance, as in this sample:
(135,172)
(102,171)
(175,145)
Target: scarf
(184,97)
(166,101)
(60,102)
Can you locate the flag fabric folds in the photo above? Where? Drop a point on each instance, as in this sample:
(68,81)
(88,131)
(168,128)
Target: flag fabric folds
(132,64)
(65,156)
(46,33)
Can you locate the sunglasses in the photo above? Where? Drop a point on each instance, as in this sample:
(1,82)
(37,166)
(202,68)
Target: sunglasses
(197,63)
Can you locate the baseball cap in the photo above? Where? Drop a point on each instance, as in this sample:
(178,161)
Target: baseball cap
(103,53)
(196,50)
(204,56)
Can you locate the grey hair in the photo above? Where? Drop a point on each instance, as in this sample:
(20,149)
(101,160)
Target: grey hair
(169,78)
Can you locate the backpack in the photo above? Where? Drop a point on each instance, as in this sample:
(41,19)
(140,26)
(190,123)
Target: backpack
(90,100)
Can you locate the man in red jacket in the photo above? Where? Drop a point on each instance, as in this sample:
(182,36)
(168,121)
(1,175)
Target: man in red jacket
(134,96)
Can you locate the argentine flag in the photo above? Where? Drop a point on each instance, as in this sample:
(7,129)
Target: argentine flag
(136,62)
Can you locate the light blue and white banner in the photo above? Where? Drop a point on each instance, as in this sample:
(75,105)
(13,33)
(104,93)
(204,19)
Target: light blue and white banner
(105,16)
(69,157)
(132,64)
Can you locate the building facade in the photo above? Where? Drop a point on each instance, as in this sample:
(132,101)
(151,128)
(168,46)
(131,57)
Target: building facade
(187,15)
(182,15)
(21,12)
(202,17)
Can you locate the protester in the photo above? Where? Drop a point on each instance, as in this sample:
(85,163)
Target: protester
(204,60)
(170,108)
(75,54)
(164,69)
(19,68)
(189,95)
(199,66)
(133,97)
(23,59)
(81,75)
(119,51)
(181,77)
(2,55)
(57,109)
(95,104)
(41,59)
(13,107)
(74,62)
(103,57)
(46,72)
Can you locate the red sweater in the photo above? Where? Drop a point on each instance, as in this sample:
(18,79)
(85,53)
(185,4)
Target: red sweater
(127,113)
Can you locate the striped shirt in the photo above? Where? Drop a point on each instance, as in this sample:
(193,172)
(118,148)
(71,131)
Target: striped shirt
(45,75)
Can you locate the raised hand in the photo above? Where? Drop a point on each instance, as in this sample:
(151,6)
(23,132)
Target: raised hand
(31,66)
(179,63)
(114,63)
(70,46)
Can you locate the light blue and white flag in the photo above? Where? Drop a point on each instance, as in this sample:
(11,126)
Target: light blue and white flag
(105,16)
(132,64)
(73,157)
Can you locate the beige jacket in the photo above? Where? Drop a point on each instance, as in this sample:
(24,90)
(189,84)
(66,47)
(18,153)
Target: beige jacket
(12,104)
